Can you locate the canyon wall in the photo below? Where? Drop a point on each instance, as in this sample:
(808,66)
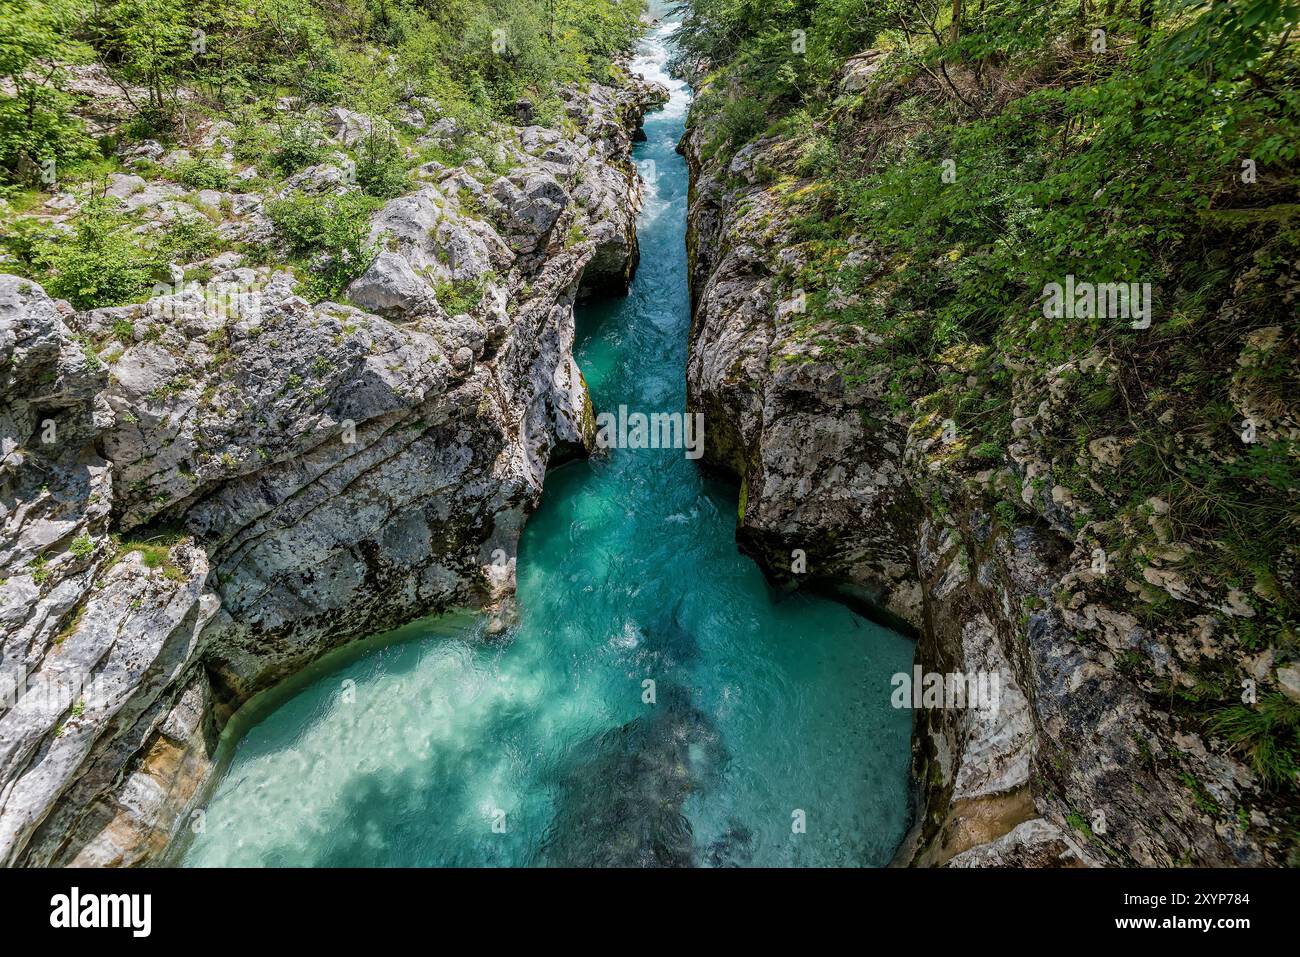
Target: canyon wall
(1083,762)
(204,492)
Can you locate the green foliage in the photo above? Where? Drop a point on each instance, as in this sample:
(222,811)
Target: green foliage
(35,122)
(189,238)
(299,145)
(741,119)
(983,160)
(149,42)
(155,553)
(475,58)
(202,172)
(41,572)
(328,236)
(780,51)
(23,240)
(308,224)
(463,296)
(286,46)
(1079,823)
(255,137)
(103,262)
(494,51)
(380,167)
(1268,733)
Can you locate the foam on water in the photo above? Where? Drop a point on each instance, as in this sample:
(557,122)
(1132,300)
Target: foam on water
(438,746)
(651,63)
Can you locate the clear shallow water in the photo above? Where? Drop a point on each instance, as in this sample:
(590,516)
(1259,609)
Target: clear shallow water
(436,746)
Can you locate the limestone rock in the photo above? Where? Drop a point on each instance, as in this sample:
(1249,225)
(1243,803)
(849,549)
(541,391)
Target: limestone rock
(1288,679)
(286,475)
(350,127)
(1083,762)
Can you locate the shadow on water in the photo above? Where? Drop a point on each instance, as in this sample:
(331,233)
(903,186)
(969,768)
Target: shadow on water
(620,794)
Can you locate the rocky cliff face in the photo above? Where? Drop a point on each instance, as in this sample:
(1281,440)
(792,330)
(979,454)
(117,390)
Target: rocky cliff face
(805,444)
(1083,762)
(206,491)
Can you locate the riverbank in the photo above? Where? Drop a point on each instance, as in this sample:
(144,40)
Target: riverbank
(244,478)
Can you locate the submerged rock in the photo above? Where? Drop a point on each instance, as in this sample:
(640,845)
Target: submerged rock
(621,792)
(735,848)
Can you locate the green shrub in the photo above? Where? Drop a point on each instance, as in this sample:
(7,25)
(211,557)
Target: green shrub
(189,238)
(202,172)
(23,239)
(299,146)
(461,296)
(255,139)
(82,547)
(742,119)
(381,169)
(103,263)
(328,235)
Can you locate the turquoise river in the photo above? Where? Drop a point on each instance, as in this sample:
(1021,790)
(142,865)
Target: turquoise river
(770,741)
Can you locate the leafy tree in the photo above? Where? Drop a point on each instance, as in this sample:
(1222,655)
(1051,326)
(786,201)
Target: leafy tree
(147,43)
(35,123)
(381,170)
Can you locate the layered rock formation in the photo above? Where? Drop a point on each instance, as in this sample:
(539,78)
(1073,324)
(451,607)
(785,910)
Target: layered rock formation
(1083,761)
(803,443)
(206,491)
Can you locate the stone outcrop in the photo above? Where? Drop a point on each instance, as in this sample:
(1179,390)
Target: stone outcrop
(805,443)
(208,490)
(1083,761)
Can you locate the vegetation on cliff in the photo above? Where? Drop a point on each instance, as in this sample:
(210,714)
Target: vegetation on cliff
(86,87)
(951,169)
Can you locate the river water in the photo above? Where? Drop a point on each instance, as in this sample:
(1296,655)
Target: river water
(770,739)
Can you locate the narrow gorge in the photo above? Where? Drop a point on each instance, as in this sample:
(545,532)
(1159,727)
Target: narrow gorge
(292,476)
(589,433)
(651,706)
